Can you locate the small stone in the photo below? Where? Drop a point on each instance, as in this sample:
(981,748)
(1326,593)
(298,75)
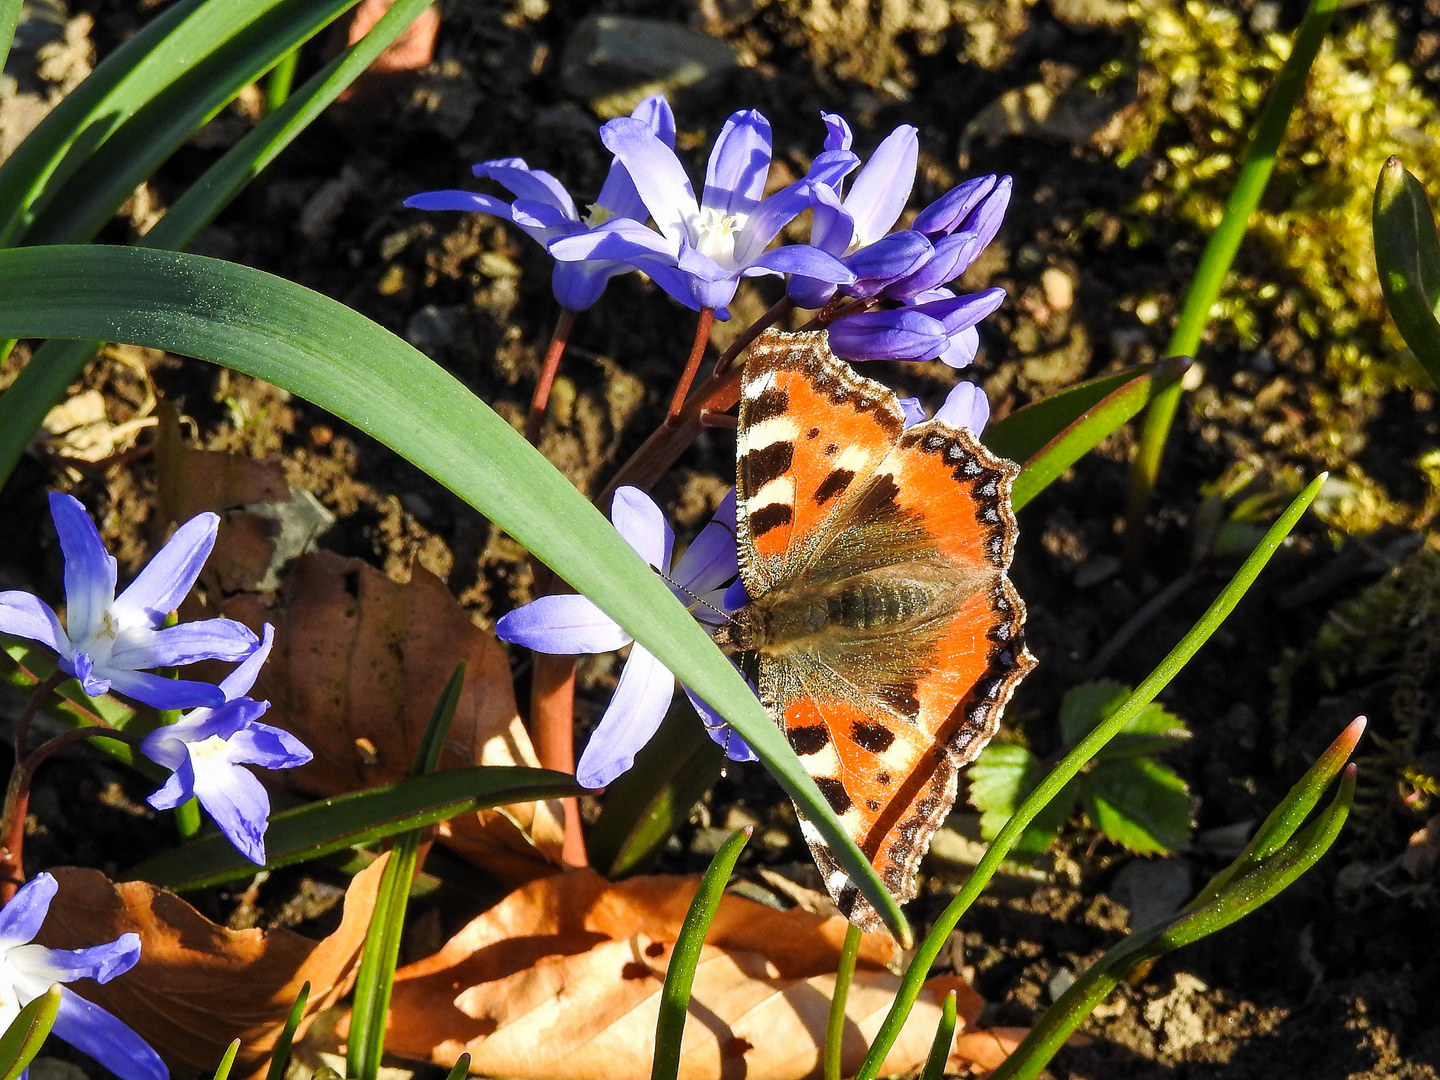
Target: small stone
(1061,981)
(432,328)
(614,62)
(1059,288)
(1099,569)
(1089,14)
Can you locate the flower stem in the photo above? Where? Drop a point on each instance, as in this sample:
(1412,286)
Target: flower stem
(552,723)
(777,311)
(692,365)
(541,399)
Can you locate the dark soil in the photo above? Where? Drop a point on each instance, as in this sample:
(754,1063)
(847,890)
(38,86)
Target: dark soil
(1339,976)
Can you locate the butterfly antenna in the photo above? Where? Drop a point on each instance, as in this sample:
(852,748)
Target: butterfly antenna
(728,618)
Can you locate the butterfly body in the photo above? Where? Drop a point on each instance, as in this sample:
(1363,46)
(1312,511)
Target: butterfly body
(888,635)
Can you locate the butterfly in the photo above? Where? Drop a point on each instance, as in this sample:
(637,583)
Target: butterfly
(888,636)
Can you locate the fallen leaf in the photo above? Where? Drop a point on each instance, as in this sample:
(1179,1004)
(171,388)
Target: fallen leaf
(358,663)
(987,1050)
(198,985)
(561,981)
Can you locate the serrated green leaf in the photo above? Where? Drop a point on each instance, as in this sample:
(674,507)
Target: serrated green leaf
(1139,803)
(1002,776)
(1152,731)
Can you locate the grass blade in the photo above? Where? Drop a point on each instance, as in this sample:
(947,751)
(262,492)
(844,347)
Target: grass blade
(331,825)
(1072,763)
(227,1062)
(1103,418)
(9,20)
(381,951)
(944,1038)
(27,1034)
(321,350)
(1219,253)
(1022,434)
(680,975)
(280,1056)
(835,1025)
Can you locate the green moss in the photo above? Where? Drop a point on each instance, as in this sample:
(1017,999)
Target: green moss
(1203,81)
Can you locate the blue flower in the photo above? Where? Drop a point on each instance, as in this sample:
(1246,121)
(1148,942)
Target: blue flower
(207,749)
(943,328)
(107,639)
(544,211)
(27,971)
(573,624)
(723,236)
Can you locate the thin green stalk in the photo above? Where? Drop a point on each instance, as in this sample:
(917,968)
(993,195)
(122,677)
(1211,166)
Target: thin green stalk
(835,1027)
(944,1036)
(1255,169)
(280,80)
(280,1056)
(461,1069)
(227,1061)
(381,951)
(680,975)
(1066,770)
(57,364)
(1242,896)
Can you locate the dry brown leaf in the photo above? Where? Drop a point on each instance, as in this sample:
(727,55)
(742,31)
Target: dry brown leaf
(358,663)
(562,979)
(198,985)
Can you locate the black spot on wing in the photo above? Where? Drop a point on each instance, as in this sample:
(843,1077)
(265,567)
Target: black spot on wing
(833,485)
(767,405)
(872,737)
(770,517)
(808,740)
(835,793)
(759,467)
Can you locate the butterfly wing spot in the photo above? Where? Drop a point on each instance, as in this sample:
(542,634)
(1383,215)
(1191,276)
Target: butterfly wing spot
(813,433)
(770,517)
(835,794)
(808,740)
(833,485)
(771,403)
(872,737)
(764,465)
(831,449)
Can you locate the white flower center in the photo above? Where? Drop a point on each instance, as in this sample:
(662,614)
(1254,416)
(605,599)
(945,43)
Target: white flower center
(207,751)
(596,214)
(714,234)
(114,629)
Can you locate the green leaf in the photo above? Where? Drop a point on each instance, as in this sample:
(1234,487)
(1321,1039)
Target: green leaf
(1139,803)
(9,19)
(27,1033)
(1102,419)
(685,957)
(1153,730)
(1001,779)
(280,1056)
(1025,431)
(314,347)
(944,1039)
(371,1002)
(1407,254)
(227,1061)
(321,828)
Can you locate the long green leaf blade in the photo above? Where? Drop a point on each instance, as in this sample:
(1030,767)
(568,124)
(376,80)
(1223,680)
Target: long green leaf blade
(680,975)
(314,347)
(9,20)
(1407,255)
(323,828)
(1024,432)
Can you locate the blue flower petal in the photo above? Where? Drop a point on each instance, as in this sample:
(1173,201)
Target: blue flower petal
(164,693)
(965,406)
(720,731)
(883,185)
(739,164)
(711,560)
(168,577)
(268,747)
(109,1041)
(901,334)
(89,569)
(641,700)
(643,526)
(207,639)
(179,786)
(563,623)
(238,682)
(29,617)
(99,962)
(22,917)
(239,804)
(948,213)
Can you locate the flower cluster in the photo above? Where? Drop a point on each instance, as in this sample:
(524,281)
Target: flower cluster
(107,640)
(884,292)
(28,970)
